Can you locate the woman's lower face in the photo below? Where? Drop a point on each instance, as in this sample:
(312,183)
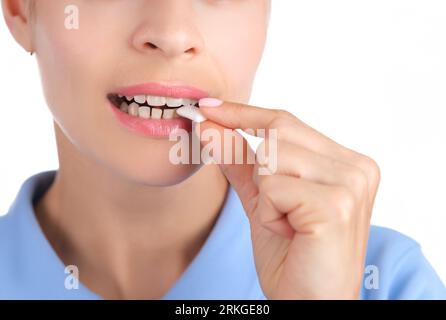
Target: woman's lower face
(99,61)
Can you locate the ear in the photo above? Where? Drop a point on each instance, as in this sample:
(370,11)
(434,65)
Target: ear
(17,18)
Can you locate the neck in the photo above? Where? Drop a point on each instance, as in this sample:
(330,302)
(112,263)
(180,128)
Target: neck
(114,229)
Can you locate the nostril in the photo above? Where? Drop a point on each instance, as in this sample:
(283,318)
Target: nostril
(151,45)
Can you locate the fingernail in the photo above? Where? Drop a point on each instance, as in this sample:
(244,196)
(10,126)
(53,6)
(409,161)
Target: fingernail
(191,112)
(210,102)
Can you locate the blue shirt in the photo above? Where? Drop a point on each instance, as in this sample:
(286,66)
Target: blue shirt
(223,269)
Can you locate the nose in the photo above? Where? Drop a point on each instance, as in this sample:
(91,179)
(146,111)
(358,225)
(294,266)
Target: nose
(168,29)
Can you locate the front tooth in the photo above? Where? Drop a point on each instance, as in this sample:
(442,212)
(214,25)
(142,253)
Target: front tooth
(124,107)
(168,113)
(174,102)
(140,99)
(157,113)
(144,112)
(189,101)
(156,101)
(134,109)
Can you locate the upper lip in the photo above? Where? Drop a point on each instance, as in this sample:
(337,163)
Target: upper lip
(163,90)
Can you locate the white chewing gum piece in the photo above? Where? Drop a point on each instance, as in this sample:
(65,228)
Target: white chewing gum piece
(192,113)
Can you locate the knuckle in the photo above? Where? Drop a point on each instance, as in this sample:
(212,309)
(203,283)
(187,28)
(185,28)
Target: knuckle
(282,118)
(357,179)
(370,168)
(286,114)
(374,169)
(285,124)
(284,129)
(344,204)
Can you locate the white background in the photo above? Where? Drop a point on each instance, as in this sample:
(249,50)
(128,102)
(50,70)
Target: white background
(369,74)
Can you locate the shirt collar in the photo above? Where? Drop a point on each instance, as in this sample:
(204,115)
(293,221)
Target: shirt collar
(223,268)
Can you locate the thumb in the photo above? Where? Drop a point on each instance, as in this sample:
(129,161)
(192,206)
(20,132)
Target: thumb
(232,153)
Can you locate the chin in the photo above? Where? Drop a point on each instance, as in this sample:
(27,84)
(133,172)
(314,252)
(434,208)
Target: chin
(165,176)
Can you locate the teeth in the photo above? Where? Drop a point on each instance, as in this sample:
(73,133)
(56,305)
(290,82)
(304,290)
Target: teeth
(140,99)
(189,101)
(156,101)
(124,107)
(134,106)
(134,109)
(168,113)
(157,113)
(144,112)
(174,102)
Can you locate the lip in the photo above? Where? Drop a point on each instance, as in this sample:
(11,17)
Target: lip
(155,128)
(163,90)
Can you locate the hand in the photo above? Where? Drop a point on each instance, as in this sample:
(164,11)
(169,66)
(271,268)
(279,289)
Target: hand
(310,219)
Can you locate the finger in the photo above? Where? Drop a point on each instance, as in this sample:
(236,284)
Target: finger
(289,128)
(289,159)
(272,220)
(232,153)
(306,204)
(241,116)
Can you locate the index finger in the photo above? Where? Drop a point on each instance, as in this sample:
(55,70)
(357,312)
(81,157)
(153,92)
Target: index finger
(289,128)
(235,115)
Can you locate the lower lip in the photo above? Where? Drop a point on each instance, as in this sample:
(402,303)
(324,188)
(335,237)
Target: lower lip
(153,128)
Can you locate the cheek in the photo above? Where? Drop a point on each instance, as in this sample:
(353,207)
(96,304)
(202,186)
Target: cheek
(73,70)
(237,50)
(65,56)
(240,64)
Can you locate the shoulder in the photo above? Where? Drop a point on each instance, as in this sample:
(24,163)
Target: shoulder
(6,239)
(22,249)
(397,269)
(384,241)
(9,254)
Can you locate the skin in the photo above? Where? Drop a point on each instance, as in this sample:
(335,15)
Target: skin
(108,208)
